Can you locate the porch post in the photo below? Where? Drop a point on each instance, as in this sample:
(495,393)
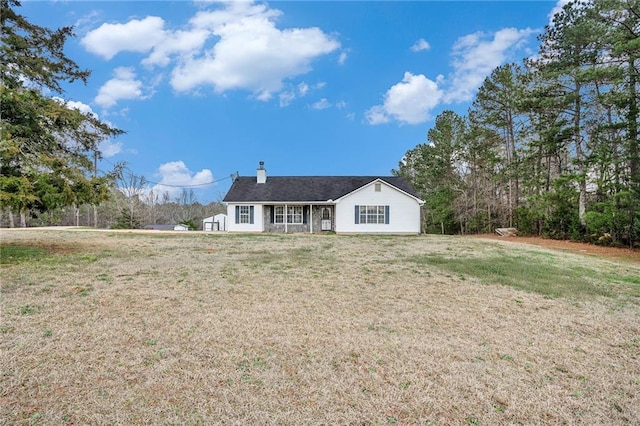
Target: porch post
(311,218)
(286,219)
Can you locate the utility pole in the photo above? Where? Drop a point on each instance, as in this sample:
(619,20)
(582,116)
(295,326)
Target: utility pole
(95,174)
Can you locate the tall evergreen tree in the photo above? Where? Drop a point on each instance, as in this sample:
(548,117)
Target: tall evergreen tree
(621,62)
(483,157)
(496,107)
(433,169)
(568,51)
(47,149)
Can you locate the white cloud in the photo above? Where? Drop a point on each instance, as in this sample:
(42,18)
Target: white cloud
(293,92)
(135,36)
(343,56)
(476,55)
(409,101)
(85,22)
(324,104)
(231,45)
(321,104)
(123,86)
(183,43)
(420,45)
(80,106)
(251,53)
(286,98)
(303,88)
(377,115)
(177,175)
(110,148)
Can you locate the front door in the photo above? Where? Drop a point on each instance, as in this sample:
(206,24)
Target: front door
(326,219)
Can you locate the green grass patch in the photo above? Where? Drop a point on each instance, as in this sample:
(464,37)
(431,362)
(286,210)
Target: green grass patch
(524,272)
(16,254)
(29,309)
(635,280)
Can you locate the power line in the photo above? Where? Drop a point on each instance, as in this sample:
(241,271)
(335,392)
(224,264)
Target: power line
(133,174)
(189,186)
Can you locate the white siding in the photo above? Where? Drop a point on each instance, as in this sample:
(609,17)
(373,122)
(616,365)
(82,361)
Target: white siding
(223,222)
(404,211)
(256,226)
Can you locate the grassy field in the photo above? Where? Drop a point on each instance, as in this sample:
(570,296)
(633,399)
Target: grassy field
(126,328)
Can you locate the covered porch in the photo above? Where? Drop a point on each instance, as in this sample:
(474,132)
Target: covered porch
(298,217)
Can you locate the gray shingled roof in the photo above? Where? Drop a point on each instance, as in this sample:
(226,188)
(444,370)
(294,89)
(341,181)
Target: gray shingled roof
(304,188)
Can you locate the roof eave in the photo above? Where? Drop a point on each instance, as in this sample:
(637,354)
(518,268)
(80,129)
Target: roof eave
(282,202)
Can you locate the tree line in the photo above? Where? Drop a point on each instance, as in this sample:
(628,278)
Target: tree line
(124,212)
(549,146)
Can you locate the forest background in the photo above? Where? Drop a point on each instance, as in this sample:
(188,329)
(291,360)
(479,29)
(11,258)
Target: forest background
(549,146)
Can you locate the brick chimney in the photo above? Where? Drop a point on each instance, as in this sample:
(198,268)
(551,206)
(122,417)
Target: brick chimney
(262,173)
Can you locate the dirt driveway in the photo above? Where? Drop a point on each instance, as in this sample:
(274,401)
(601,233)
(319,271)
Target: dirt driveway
(571,246)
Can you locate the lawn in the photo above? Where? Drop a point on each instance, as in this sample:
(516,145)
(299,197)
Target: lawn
(193,328)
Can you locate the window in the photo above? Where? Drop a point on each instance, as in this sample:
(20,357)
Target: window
(294,214)
(372,214)
(278,214)
(378,187)
(244,214)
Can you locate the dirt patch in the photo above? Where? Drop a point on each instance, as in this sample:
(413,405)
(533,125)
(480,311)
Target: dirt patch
(571,246)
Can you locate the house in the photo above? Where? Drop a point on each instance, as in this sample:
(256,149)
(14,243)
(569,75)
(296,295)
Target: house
(215,223)
(343,204)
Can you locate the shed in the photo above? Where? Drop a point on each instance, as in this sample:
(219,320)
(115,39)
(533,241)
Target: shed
(215,223)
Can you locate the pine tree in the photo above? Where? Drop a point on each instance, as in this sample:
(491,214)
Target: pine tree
(432,168)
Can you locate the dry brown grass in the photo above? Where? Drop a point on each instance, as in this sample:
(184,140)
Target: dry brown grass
(299,329)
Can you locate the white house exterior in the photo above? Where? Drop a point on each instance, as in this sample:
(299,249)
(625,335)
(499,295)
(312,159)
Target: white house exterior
(341,204)
(401,210)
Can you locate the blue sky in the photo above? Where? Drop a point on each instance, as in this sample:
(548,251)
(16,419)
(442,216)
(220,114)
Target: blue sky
(207,89)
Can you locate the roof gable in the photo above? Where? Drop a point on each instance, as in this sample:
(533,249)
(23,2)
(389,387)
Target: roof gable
(305,188)
(411,194)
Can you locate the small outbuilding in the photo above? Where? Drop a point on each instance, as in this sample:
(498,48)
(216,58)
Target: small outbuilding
(215,223)
(163,227)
